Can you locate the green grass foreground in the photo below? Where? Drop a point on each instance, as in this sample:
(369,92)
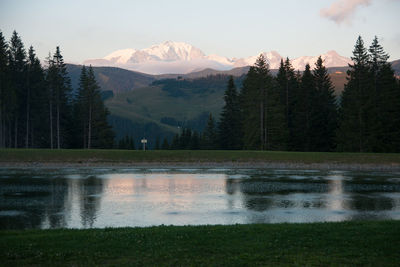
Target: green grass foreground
(317,244)
(191,156)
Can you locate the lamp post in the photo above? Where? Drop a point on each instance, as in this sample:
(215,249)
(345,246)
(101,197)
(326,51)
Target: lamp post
(144,142)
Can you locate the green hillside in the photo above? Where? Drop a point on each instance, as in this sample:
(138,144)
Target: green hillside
(171,103)
(113,79)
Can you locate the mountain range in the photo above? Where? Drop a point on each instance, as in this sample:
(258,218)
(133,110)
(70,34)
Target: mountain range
(182,58)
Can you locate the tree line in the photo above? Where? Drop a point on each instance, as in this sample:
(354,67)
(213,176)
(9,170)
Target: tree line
(299,111)
(38,108)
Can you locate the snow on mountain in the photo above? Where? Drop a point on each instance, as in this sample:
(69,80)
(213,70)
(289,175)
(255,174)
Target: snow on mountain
(182,58)
(174,51)
(331,59)
(120,56)
(273,59)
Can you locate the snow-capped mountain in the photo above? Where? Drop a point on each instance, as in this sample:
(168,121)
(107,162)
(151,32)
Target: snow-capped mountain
(182,58)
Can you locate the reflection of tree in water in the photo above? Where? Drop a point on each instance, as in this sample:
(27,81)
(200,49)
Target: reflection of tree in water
(370,202)
(90,197)
(231,186)
(254,195)
(32,203)
(56,203)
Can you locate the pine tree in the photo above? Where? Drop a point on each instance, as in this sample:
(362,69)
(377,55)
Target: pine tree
(131,145)
(175,142)
(356,110)
(229,127)
(17,89)
(262,113)
(157,146)
(59,99)
(302,112)
(165,145)
(210,135)
(386,104)
(250,111)
(3,88)
(324,114)
(195,141)
(36,111)
(81,112)
(95,130)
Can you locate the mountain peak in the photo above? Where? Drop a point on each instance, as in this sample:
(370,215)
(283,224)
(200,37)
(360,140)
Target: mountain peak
(181,58)
(332,53)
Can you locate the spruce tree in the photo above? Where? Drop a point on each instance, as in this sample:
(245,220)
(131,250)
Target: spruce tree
(356,109)
(81,112)
(229,127)
(175,142)
(16,97)
(302,112)
(4,81)
(287,81)
(95,129)
(386,102)
(210,135)
(324,115)
(165,144)
(59,100)
(195,141)
(36,111)
(250,110)
(262,113)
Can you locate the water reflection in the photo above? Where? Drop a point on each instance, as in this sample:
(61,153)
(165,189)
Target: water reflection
(85,198)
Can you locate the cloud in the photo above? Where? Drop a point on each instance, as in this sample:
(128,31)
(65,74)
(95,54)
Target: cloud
(342,10)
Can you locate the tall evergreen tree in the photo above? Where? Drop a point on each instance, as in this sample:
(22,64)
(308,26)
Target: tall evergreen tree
(36,111)
(210,135)
(81,111)
(175,142)
(59,99)
(262,113)
(324,115)
(288,82)
(3,88)
(249,97)
(302,112)
(386,102)
(95,130)
(356,109)
(165,144)
(229,127)
(17,87)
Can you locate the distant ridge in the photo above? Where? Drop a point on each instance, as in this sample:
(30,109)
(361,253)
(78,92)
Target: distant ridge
(122,80)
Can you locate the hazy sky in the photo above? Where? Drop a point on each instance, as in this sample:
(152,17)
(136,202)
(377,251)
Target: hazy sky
(93,29)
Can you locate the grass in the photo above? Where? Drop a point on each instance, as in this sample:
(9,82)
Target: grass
(317,244)
(191,156)
(150,104)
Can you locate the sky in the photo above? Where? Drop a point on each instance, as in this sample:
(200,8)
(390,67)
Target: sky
(87,29)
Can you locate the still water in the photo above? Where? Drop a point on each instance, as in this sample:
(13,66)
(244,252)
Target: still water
(100,197)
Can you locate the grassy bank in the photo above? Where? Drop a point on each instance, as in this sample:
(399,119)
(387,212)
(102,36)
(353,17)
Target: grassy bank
(191,156)
(319,244)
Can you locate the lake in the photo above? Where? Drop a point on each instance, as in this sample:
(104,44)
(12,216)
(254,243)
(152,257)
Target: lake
(106,197)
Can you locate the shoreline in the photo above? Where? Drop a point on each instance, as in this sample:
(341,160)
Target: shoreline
(207,165)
